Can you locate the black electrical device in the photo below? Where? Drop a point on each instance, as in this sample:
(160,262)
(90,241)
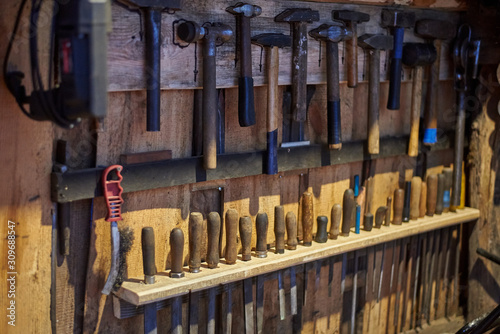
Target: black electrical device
(77,72)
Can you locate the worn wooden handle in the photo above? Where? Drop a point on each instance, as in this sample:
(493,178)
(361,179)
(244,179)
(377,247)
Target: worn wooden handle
(213,231)
(416,103)
(307,218)
(440,194)
(416,187)
(291,230)
(231,223)
(432,185)
(423,200)
(336,217)
(279,228)
(272,110)
(209,107)
(261,224)
(349,207)
(388,211)
(380,216)
(148,254)
(399,200)
(246,238)
(352,56)
(195,230)
(368,225)
(321,234)
(176,252)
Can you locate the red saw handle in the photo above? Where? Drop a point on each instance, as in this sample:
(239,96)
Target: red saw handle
(113,193)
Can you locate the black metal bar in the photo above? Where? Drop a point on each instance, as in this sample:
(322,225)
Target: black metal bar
(86,183)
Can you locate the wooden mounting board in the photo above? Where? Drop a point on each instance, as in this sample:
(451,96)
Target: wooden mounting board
(136,292)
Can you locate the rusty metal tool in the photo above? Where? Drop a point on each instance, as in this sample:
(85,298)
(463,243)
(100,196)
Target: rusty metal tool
(398,20)
(321,234)
(298,19)
(399,200)
(151,11)
(246,105)
(466,58)
(231,223)
(213,231)
(417,55)
(351,19)
(272,42)
(113,195)
(307,218)
(336,217)
(261,225)
(374,43)
(148,264)
(349,210)
(246,237)
(195,230)
(332,34)
(213,35)
(436,31)
(291,231)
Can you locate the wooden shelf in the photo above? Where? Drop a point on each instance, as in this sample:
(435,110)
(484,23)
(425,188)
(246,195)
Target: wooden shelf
(136,292)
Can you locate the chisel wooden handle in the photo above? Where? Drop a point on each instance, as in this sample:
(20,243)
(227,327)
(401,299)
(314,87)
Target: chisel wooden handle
(407,202)
(213,230)
(423,200)
(349,207)
(148,254)
(291,231)
(195,229)
(176,252)
(416,187)
(321,234)
(261,224)
(307,218)
(416,103)
(231,223)
(279,228)
(388,211)
(368,221)
(432,184)
(399,202)
(380,216)
(246,238)
(440,194)
(336,217)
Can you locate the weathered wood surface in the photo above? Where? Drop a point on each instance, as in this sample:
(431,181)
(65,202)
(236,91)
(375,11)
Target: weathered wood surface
(126,47)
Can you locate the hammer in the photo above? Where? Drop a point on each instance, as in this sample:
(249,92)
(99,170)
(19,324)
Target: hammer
(351,19)
(399,21)
(374,43)
(151,10)
(332,35)
(213,34)
(246,108)
(417,55)
(434,30)
(299,18)
(272,42)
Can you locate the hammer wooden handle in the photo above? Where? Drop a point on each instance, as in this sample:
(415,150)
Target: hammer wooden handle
(246,107)
(213,230)
(209,105)
(261,225)
(231,236)
(416,103)
(352,55)
(307,218)
(246,238)
(272,110)
(373,103)
(279,228)
(195,229)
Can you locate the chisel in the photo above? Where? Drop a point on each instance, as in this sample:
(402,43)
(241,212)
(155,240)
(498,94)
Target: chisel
(148,264)
(246,238)
(336,218)
(195,230)
(307,218)
(231,236)
(176,251)
(213,231)
(261,224)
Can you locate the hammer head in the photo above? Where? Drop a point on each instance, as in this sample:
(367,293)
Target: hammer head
(376,42)
(245,9)
(170,4)
(298,15)
(350,16)
(272,40)
(331,33)
(397,19)
(435,29)
(419,54)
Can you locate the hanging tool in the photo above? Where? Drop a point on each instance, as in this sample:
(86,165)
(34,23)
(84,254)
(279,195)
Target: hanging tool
(417,55)
(466,58)
(332,35)
(246,106)
(261,224)
(272,42)
(213,231)
(374,43)
(351,19)
(397,20)
(113,195)
(195,230)
(148,264)
(151,11)
(213,35)
(436,31)
(231,223)
(246,238)
(298,19)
